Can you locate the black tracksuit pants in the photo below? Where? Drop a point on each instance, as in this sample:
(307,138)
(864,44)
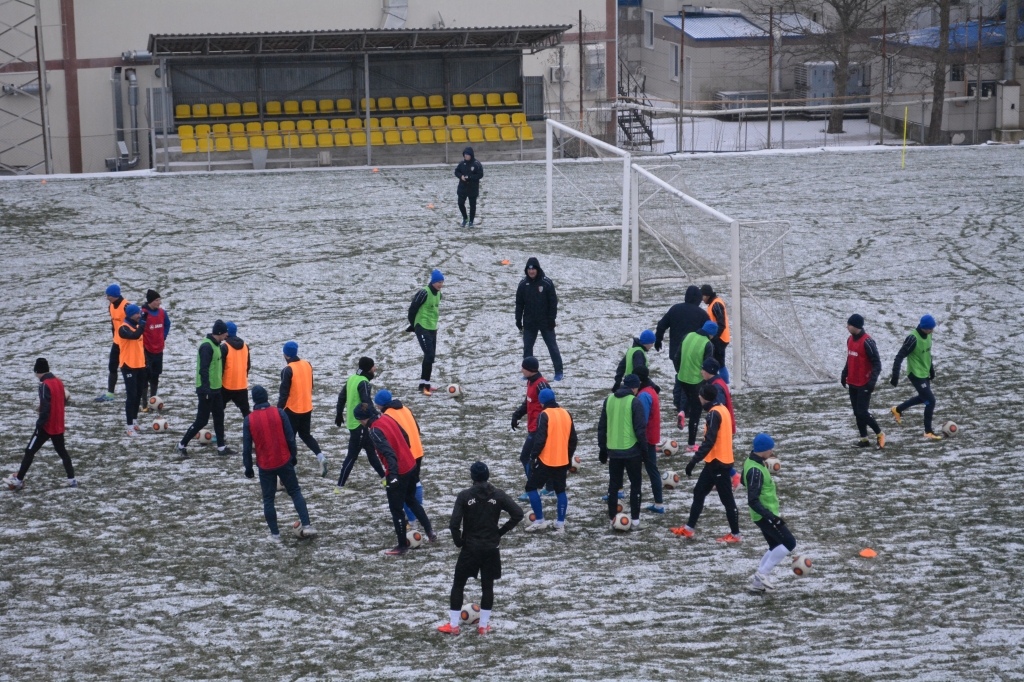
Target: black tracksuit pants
(359,439)
(154,368)
(113,364)
(428,342)
(471,563)
(687,400)
(134,387)
(633,468)
(924,397)
(776,536)
(472,206)
(301,424)
(860,398)
(718,351)
(211,403)
(240,398)
(716,475)
(39,436)
(400,495)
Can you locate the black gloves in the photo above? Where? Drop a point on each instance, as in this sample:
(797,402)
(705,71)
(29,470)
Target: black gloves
(616,386)
(410,328)
(895,380)
(519,325)
(249,473)
(842,380)
(931,372)
(143,315)
(515,423)
(393,480)
(689,467)
(871,386)
(337,419)
(777,522)
(657,346)
(603,456)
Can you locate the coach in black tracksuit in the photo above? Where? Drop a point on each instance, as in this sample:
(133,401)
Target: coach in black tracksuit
(536,310)
(680,320)
(469,171)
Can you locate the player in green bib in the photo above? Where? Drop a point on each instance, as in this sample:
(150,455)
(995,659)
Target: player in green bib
(356,391)
(764,511)
(695,349)
(423,314)
(622,444)
(636,356)
(917,349)
(209,375)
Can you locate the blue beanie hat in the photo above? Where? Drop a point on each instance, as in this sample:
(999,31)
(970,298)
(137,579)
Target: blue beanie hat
(479,472)
(927,322)
(131,309)
(631,381)
(232,329)
(546,396)
(647,337)
(710,328)
(291,349)
(763,443)
(259,395)
(114,290)
(436,276)
(383,397)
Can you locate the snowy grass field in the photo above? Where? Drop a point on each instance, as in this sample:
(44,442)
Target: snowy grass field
(158,569)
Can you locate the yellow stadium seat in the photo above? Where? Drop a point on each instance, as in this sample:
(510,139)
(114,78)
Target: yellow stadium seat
(419,102)
(250,109)
(404,122)
(492,135)
(220,130)
(518,118)
(253,128)
(469,120)
(236,130)
(525,132)
(202,130)
(508,134)
(402,104)
(453,120)
(273,109)
(199,111)
(291,140)
(240,144)
(392,137)
(502,120)
(385,104)
(188,146)
(435,102)
(304,126)
(355,124)
(476,100)
(374,122)
(337,124)
(233,109)
(186,131)
(222,144)
(426,137)
(344,106)
(216,110)
(271,127)
(274,142)
(204,144)
(388,122)
(287,126)
(362,105)
(325,140)
(376,138)
(486,119)
(327,106)
(493,99)
(408,137)
(510,99)
(459,101)
(309,106)
(182,111)
(476,135)
(420,122)
(459,135)
(308,141)
(441,135)
(291,107)
(257,142)
(342,140)
(359,139)
(321,124)
(437,122)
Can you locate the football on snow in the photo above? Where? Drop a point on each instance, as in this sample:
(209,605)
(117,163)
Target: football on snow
(470,615)
(669,480)
(156,403)
(160,424)
(414,539)
(669,448)
(205,436)
(949,429)
(453,389)
(802,565)
(622,522)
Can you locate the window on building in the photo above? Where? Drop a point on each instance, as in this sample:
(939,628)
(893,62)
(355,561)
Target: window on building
(866,73)
(956,73)
(988,88)
(648,28)
(675,62)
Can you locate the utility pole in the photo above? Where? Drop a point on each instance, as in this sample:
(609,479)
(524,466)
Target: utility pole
(44,109)
(881,90)
(977,87)
(682,76)
(561,84)
(771,68)
(581,70)
(1010,57)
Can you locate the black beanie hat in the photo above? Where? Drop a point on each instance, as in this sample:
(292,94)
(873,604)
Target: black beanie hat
(259,395)
(709,392)
(41,366)
(530,364)
(479,472)
(151,296)
(707,290)
(364,411)
(365,364)
(711,366)
(856,321)
(219,327)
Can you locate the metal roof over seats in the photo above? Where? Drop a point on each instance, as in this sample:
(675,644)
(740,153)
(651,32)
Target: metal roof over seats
(733,26)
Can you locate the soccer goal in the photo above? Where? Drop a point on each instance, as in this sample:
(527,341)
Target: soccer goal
(669,240)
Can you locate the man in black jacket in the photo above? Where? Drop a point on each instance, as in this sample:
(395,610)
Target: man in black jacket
(536,310)
(469,172)
(622,444)
(475,530)
(680,320)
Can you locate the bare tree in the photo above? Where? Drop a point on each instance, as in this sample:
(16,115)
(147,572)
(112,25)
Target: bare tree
(939,76)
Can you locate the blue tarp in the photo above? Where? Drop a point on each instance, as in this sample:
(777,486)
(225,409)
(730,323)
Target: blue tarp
(961,36)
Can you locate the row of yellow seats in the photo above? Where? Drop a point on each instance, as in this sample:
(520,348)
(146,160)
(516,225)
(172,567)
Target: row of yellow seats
(339,124)
(358,139)
(343,106)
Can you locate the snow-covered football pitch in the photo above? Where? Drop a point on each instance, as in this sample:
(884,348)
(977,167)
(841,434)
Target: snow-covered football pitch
(158,569)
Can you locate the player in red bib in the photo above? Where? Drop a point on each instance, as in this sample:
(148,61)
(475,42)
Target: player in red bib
(863,365)
(49,426)
(158,325)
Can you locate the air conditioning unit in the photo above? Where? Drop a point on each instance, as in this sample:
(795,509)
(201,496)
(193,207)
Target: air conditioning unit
(558,75)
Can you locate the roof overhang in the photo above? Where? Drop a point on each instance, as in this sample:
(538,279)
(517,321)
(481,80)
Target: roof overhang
(357,42)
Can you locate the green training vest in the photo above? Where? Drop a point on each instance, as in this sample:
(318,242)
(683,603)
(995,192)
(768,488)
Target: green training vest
(620,422)
(767,497)
(216,366)
(426,316)
(630,354)
(919,362)
(691,358)
(352,400)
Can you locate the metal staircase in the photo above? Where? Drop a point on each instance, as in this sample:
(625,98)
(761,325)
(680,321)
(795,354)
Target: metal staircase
(635,131)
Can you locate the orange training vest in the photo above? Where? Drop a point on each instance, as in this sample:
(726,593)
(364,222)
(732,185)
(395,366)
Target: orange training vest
(556,447)
(722,450)
(300,397)
(117,316)
(133,354)
(408,422)
(236,375)
(725,334)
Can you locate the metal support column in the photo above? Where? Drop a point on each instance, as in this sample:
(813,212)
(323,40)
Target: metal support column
(366,95)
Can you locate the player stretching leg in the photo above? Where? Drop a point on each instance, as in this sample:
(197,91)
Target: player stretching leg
(356,392)
(863,365)
(554,444)
(764,511)
(49,426)
(917,349)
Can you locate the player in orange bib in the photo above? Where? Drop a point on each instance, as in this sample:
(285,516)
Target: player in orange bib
(296,399)
(116,305)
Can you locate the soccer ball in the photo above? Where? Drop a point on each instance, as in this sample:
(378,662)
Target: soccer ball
(574,464)
(470,615)
(160,424)
(619,508)
(773,465)
(669,480)
(802,565)
(205,436)
(414,539)
(622,522)
(532,518)
(950,429)
(302,533)
(669,448)
(156,403)
(453,389)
